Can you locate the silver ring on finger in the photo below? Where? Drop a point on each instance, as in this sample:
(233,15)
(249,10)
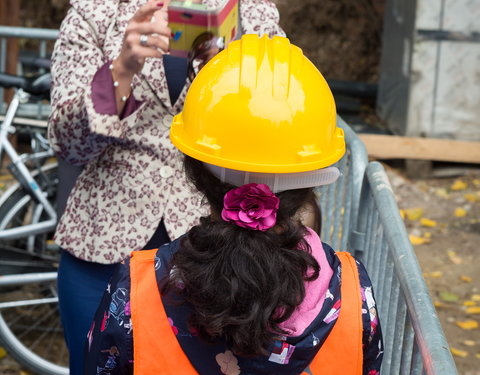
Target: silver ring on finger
(144,40)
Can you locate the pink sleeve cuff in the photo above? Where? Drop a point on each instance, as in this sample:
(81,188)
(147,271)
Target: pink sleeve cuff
(103,95)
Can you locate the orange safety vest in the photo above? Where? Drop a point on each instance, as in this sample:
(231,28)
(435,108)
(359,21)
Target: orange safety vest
(156,349)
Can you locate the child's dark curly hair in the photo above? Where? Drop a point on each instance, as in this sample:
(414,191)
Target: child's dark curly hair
(242,283)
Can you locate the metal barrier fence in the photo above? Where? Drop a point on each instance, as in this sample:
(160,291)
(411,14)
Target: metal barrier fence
(39,111)
(360,215)
(413,338)
(339,201)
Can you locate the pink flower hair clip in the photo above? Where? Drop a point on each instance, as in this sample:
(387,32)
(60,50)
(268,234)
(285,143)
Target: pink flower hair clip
(251,206)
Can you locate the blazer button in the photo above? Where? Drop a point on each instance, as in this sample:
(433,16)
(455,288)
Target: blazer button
(166,171)
(167,120)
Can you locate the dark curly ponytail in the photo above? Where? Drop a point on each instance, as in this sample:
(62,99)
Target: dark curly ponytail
(242,283)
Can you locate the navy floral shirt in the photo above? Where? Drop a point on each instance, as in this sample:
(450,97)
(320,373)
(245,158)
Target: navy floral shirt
(109,347)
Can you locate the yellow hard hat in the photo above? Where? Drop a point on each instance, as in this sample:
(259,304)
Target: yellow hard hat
(260,106)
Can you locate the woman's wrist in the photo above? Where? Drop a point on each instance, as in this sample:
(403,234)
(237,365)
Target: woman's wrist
(122,80)
(121,71)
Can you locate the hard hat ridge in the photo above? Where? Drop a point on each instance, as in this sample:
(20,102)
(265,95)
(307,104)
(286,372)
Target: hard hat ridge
(265,60)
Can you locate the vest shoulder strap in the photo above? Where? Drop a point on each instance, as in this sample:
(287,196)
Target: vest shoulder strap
(150,323)
(342,351)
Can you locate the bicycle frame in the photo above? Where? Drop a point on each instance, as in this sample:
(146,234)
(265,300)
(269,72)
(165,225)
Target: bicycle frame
(24,176)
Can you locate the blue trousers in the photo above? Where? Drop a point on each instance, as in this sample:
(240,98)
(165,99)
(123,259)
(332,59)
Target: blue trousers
(81,286)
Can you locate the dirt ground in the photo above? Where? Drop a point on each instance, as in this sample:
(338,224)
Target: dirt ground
(444,214)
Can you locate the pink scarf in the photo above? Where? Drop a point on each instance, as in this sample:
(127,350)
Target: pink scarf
(315,291)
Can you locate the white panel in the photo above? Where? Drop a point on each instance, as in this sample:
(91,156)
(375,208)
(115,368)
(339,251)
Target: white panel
(422,88)
(462,15)
(457,109)
(428,14)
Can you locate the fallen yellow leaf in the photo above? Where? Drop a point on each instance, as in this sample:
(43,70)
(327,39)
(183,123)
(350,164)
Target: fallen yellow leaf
(469,343)
(467,324)
(469,303)
(414,213)
(3,352)
(458,185)
(442,193)
(460,212)
(472,197)
(427,235)
(454,258)
(476,297)
(438,304)
(402,214)
(477,355)
(434,274)
(415,240)
(476,182)
(427,222)
(473,310)
(466,279)
(459,353)
(448,296)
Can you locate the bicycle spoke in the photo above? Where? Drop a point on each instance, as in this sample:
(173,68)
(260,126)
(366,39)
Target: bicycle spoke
(37,322)
(48,348)
(38,340)
(14,321)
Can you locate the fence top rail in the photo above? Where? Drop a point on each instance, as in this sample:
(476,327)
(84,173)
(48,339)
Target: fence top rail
(431,341)
(27,32)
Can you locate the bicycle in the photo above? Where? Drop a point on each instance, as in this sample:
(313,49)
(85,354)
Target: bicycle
(30,327)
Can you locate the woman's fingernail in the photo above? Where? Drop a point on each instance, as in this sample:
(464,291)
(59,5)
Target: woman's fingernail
(160,4)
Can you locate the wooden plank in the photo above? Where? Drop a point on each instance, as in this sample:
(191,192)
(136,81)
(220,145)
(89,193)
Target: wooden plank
(396,147)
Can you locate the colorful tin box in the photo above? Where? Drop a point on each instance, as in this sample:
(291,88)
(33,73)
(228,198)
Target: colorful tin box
(188,20)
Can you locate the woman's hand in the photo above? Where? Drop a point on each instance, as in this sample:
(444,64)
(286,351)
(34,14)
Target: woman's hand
(147,35)
(144,38)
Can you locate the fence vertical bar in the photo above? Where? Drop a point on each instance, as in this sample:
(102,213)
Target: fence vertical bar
(417,367)
(400,315)
(347,214)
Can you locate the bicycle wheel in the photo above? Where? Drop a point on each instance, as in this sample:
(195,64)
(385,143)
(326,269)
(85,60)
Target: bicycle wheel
(33,253)
(30,327)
